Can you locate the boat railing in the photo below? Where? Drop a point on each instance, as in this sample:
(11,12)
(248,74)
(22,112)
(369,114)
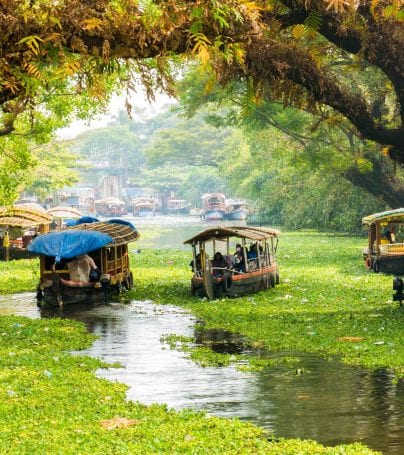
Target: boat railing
(392,248)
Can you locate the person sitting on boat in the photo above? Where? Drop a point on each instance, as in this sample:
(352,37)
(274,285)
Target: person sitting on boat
(219,264)
(80,267)
(389,233)
(252,253)
(198,262)
(239,259)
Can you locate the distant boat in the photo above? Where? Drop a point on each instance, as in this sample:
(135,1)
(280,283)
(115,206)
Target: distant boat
(236,210)
(177,207)
(144,206)
(213,206)
(110,206)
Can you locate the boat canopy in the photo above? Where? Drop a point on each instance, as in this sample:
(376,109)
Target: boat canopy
(67,244)
(120,221)
(110,200)
(87,219)
(23,217)
(62,211)
(120,233)
(387,216)
(247,232)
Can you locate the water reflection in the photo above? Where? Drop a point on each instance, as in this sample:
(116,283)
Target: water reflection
(330,402)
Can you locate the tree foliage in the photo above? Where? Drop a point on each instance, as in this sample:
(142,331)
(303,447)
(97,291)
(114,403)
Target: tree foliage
(286,49)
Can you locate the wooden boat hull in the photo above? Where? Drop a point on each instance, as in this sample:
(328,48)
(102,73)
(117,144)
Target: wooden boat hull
(237,285)
(58,292)
(234,215)
(213,215)
(389,264)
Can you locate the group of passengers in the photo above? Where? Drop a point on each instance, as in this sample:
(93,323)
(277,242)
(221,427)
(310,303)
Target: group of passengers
(237,262)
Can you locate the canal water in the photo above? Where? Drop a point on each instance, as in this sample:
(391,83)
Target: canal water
(330,402)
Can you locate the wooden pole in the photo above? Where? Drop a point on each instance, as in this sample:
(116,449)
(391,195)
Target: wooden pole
(6,245)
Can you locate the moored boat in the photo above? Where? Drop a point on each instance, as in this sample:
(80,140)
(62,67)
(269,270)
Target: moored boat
(104,244)
(218,273)
(177,207)
(18,226)
(144,206)
(110,206)
(236,210)
(213,206)
(385,249)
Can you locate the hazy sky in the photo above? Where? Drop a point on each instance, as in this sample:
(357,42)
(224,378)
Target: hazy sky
(138,100)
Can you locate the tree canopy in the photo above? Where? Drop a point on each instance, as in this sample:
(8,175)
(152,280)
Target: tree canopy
(344,54)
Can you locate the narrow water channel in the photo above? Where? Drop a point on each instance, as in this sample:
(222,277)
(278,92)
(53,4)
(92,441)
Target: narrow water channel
(330,402)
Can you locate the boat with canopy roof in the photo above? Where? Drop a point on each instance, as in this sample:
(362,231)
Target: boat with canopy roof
(18,226)
(105,243)
(385,249)
(219,273)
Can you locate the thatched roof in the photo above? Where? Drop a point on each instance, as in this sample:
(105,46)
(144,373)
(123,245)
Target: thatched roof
(223,232)
(388,215)
(23,217)
(62,211)
(121,233)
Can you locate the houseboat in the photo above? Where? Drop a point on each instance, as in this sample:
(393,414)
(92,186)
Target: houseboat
(213,206)
(144,206)
(385,249)
(236,210)
(224,265)
(177,207)
(110,206)
(102,247)
(18,226)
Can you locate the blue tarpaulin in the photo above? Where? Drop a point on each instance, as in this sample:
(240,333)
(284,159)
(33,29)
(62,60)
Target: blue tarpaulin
(68,244)
(124,222)
(87,219)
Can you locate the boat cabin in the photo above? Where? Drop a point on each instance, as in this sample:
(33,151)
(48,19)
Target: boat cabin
(110,206)
(233,261)
(18,226)
(104,244)
(385,249)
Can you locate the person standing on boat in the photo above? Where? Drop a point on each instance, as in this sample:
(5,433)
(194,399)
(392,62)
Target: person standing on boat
(80,268)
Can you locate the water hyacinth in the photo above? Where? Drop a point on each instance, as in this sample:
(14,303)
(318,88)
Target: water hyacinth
(68,405)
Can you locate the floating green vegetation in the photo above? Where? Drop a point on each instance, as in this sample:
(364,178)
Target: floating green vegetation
(51,402)
(327,303)
(204,356)
(19,275)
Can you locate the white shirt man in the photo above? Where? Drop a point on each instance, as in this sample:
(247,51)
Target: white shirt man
(80,268)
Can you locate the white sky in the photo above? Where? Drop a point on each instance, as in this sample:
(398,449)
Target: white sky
(138,100)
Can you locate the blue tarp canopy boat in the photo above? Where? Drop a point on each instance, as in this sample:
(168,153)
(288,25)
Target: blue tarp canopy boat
(68,244)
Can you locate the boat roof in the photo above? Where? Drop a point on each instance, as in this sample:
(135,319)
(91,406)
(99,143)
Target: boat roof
(247,232)
(388,215)
(22,217)
(62,211)
(212,195)
(121,233)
